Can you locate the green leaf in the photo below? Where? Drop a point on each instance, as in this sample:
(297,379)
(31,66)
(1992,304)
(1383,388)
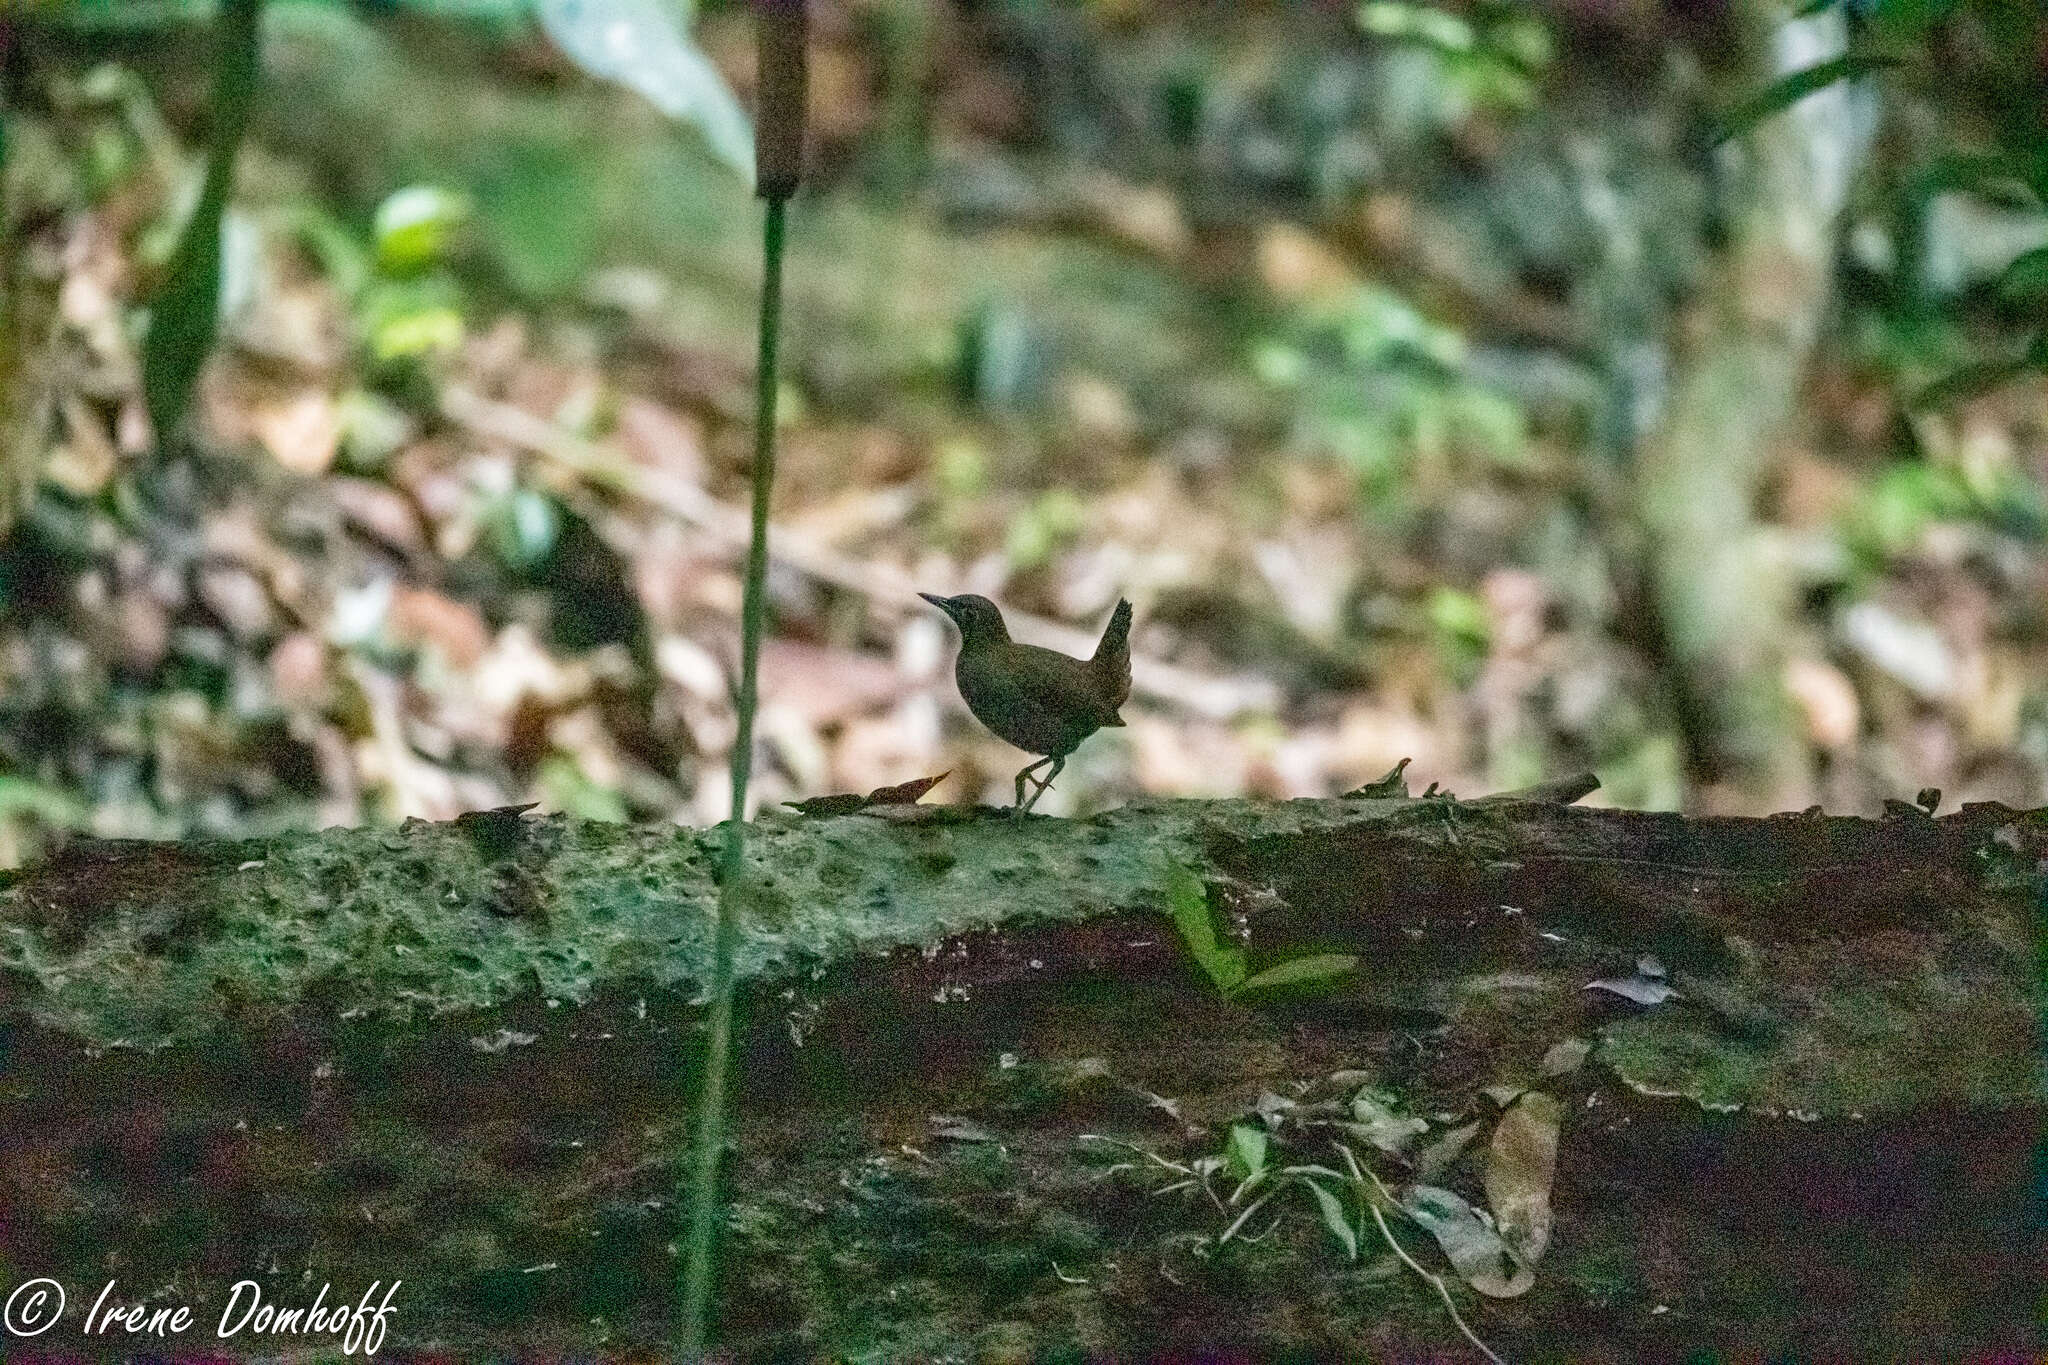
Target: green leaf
(1908,21)
(184,314)
(426,331)
(1460,615)
(1783,94)
(415,226)
(1245,1152)
(1968,382)
(333,248)
(1425,24)
(1333,1219)
(2025,281)
(571,790)
(1189,904)
(525,529)
(1314,969)
(48,804)
(184,318)
(405,319)
(1047,525)
(2001,178)
(641,45)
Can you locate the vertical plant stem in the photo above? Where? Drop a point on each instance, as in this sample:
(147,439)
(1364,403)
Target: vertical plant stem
(699,1267)
(7,60)
(236,69)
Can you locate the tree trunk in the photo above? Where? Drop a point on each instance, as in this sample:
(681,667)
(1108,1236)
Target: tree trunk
(1724,593)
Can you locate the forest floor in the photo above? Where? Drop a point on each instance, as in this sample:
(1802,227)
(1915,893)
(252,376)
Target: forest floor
(459,527)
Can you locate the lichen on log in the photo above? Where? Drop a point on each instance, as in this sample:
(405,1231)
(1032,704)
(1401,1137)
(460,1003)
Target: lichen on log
(457,1054)
(1800,938)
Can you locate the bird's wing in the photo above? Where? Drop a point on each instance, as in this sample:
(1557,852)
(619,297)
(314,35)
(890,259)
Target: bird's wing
(1112,661)
(1053,684)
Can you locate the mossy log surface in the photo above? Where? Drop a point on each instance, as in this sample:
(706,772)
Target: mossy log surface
(460,1055)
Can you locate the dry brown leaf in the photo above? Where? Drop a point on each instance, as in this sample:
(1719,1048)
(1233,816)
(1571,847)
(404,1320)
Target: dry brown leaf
(380,512)
(1826,700)
(902,794)
(662,438)
(238,599)
(298,670)
(1296,264)
(1519,1170)
(86,459)
(906,793)
(302,432)
(844,803)
(423,617)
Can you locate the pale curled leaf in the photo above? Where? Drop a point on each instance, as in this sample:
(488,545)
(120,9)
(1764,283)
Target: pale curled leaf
(1640,989)
(1378,1123)
(955,1128)
(1332,1213)
(1161,1102)
(1469,1242)
(1520,1167)
(640,44)
(1566,1056)
(1273,1108)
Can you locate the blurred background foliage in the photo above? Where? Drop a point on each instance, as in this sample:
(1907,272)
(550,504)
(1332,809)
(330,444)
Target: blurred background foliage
(1520,387)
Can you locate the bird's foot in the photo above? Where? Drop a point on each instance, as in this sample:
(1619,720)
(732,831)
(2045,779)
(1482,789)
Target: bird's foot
(1025,776)
(1044,784)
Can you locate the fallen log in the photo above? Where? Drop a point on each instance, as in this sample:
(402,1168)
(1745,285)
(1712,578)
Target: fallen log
(990,1100)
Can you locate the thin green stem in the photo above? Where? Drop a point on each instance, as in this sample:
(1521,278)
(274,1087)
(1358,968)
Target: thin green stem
(236,75)
(699,1263)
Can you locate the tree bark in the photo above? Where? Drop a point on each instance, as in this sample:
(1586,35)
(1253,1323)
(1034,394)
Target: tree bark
(1724,592)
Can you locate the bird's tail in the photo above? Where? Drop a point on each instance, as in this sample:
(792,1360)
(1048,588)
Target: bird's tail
(1112,660)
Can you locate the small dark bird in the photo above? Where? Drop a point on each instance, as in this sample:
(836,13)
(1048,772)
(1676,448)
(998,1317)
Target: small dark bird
(1037,699)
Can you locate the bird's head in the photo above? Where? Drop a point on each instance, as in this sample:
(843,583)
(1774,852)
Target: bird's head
(979,621)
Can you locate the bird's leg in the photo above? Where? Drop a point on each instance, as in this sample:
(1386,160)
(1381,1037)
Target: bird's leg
(1045,782)
(1025,774)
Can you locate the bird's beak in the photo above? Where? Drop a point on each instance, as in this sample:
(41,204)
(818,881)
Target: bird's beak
(941,603)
